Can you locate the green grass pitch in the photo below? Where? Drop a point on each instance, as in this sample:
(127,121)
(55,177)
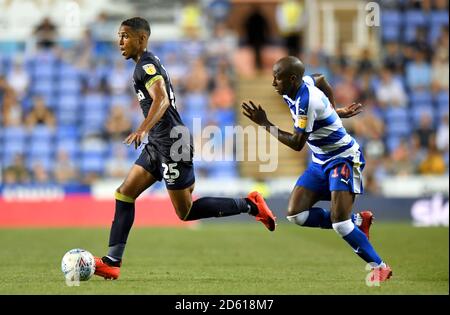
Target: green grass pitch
(229,258)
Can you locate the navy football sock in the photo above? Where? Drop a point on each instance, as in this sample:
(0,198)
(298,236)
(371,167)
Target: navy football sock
(121,226)
(208,207)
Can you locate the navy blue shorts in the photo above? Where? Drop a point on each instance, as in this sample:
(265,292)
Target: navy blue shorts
(176,174)
(337,175)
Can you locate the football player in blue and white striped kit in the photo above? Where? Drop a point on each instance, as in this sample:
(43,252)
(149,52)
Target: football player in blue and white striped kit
(335,172)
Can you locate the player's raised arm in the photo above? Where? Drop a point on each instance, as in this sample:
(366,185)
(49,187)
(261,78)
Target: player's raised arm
(157,91)
(322,84)
(257,114)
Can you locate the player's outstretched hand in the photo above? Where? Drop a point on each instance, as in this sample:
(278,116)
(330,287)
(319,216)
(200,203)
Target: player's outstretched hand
(255,113)
(350,110)
(135,137)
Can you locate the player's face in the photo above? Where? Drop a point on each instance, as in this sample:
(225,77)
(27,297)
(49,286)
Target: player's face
(281,81)
(128,42)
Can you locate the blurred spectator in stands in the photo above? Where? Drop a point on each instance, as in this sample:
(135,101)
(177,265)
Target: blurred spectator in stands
(369,129)
(218,11)
(190,19)
(17,171)
(440,71)
(418,72)
(64,170)
(365,63)
(82,53)
(19,79)
(390,92)
(118,78)
(420,43)
(433,163)
(394,59)
(222,95)
(290,17)
(178,71)
(118,125)
(102,32)
(425,130)
(46,34)
(117,165)
(39,174)
(442,137)
(40,114)
(346,90)
(315,63)
(402,165)
(11,111)
(198,77)
(222,44)
(441,46)
(257,34)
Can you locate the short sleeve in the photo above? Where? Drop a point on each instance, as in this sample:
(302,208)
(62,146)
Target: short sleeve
(149,74)
(301,111)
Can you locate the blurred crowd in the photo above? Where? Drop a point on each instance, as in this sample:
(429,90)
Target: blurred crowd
(65,109)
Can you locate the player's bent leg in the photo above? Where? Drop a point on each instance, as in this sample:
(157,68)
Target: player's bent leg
(341,206)
(182,201)
(208,207)
(137,180)
(302,212)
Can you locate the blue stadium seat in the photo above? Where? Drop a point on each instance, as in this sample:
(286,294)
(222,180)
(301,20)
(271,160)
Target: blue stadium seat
(94,101)
(397,121)
(41,132)
(39,148)
(68,109)
(67,117)
(44,71)
(92,163)
(43,87)
(46,161)
(391,21)
(93,121)
(14,134)
(392,142)
(421,98)
(69,86)
(67,71)
(417,112)
(68,145)
(68,132)
(442,111)
(413,19)
(442,98)
(123,100)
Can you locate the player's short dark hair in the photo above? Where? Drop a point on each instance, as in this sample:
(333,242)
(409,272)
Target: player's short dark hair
(138,24)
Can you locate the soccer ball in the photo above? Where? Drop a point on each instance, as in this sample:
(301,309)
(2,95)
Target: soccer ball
(78,265)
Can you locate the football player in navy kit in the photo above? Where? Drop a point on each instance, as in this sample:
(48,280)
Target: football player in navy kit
(159,159)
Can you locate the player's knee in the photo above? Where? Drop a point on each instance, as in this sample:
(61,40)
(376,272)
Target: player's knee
(182,211)
(343,228)
(299,218)
(124,190)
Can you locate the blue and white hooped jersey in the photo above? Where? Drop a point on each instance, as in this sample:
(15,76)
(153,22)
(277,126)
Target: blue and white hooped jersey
(313,113)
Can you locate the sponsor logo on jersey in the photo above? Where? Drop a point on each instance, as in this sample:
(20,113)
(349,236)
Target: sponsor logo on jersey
(149,68)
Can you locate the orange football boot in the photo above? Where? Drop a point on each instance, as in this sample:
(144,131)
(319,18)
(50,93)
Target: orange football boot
(106,268)
(366,218)
(381,274)
(264,214)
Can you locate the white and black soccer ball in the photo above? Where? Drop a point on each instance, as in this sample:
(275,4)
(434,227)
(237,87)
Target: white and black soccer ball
(78,265)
